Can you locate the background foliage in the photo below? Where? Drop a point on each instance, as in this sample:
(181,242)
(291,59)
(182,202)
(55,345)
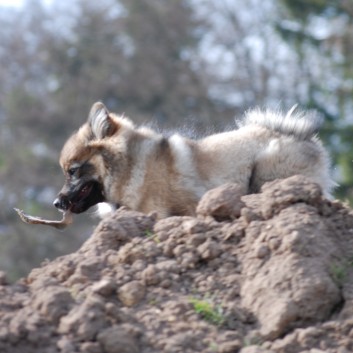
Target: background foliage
(191,65)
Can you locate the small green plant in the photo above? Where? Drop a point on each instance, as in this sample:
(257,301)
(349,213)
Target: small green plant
(250,340)
(208,310)
(338,272)
(149,234)
(153,302)
(213,346)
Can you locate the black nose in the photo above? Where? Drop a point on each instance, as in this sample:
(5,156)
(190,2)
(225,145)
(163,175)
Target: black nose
(62,203)
(56,203)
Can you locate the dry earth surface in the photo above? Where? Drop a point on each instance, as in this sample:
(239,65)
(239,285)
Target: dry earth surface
(271,272)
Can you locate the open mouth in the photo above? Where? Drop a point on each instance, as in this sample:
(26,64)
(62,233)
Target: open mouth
(88,195)
(85,191)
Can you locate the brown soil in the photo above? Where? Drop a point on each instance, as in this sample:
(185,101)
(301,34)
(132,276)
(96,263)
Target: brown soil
(271,272)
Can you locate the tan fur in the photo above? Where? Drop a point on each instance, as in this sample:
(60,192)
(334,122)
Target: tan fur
(144,171)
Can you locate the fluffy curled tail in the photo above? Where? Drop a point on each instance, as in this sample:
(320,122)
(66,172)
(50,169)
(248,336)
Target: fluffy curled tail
(302,125)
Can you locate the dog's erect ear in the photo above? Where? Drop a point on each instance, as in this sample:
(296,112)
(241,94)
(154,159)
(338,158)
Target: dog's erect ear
(100,122)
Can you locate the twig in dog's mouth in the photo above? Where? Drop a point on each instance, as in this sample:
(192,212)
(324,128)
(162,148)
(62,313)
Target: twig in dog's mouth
(67,219)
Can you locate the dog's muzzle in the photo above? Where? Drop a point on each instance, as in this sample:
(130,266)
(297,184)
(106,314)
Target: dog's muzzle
(62,203)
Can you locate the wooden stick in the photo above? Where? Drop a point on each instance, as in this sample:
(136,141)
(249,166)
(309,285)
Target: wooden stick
(67,219)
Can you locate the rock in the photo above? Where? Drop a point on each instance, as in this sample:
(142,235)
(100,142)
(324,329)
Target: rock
(294,283)
(222,203)
(65,345)
(255,349)
(116,340)
(150,275)
(209,250)
(131,293)
(104,287)
(230,347)
(53,302)
(90,347)
(289,191)
(84,320)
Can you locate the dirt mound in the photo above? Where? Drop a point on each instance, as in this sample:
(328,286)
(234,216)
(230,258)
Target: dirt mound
(271,272)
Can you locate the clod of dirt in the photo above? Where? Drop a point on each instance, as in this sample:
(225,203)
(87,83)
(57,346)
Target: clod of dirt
(263,273)
(131,293)
(116,339)
(280,284)
(222,203)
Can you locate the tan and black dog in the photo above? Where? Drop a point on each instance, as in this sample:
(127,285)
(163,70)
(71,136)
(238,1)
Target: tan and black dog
(110,160)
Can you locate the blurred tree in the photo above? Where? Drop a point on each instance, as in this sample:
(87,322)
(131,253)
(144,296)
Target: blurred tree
(247,62)
(322,34)
(86,63)
(138,57)
(162,79)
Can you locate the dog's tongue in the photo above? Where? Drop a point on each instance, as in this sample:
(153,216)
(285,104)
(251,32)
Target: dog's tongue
(67,219)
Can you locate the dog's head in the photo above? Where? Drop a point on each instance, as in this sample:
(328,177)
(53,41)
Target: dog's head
(83,161)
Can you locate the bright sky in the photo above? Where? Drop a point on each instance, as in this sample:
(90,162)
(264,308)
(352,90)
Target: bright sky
(11,2)
(17,3)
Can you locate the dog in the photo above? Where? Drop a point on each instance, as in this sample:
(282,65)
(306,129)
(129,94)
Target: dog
(110,160)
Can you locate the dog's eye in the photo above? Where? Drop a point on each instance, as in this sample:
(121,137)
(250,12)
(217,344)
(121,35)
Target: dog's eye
(72,171)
